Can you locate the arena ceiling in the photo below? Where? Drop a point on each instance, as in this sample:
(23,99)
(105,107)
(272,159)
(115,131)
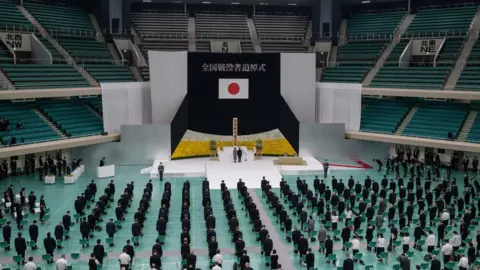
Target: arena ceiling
(265,2)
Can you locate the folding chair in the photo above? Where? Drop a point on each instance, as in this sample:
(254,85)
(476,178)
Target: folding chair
(18,259)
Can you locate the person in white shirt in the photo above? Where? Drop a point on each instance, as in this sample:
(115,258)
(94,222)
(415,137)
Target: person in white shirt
(30,265)
(463,263)
(62,263)
(445,217)
(447,250)
(216,267)
(348,215)
(456,241)
(334,221)
(218,258)
(380,245)
(355,246)
(124,259)
(406,243)
(430,242)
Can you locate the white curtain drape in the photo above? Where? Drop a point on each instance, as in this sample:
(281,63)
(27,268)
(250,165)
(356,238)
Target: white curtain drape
(340,103)
(125,104)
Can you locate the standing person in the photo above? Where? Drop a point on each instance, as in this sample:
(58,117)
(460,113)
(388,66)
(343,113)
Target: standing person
(20,246)
(99,251)
(93,262)
(463,263)
(49,244)
(7,234)
(102,163)
(30,265)
(125,260)
(234,155)
(61,264)
(310,259)
(325,168)
(67,222)
(33,232)
(381,242)
(239,154)
(161,169)
(348,263)
(110,229)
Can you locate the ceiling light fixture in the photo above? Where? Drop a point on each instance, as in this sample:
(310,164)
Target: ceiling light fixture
(366,2)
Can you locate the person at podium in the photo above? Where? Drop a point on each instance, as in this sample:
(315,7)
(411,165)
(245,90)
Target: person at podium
(161,168)
(234,155)
(102,162)
(239,154)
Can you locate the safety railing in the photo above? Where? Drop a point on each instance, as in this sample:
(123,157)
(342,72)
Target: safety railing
(157,11)
(449,6)
(48,140)
(20,61)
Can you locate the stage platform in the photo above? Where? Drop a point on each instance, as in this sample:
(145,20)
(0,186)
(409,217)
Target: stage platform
(250,171)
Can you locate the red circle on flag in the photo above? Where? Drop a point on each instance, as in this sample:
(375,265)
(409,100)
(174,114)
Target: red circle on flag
(233,88)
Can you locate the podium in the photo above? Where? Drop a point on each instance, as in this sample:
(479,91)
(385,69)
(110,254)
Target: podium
(106,171)
(50,179)
(70,179)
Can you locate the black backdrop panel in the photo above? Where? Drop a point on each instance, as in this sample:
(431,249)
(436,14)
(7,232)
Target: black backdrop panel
(209,114)
(179,125)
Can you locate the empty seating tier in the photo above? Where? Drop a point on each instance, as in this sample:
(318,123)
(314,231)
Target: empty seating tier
(432,78)
(447,21)
(5,54)
(225,26)
(61,20)
(281,33)
(56,56)
(73,30)
(436,120)
(72,117)
(394,57)
(374,24)
(383,116)
(109,73)
(35,76)
(161,31)
(12,19)
(450,51)
(470,76)
(35,129)
(474,133)
(355,59)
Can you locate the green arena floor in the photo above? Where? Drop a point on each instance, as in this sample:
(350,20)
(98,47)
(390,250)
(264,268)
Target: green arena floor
(60,198)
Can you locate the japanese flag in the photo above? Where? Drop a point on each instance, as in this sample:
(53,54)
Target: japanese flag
(233,88)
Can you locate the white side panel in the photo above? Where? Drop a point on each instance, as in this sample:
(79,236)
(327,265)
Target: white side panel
(168,84)
(125,104)
(340,103)
(297,84)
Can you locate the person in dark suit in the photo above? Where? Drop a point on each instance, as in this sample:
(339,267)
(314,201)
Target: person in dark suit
(191,261)
(67,222)
(161,169)
(274,260)
(20,246)
(185,249)
(155,260)
(59,233)
(7,234)
(33,232)
(310,259)
(31,202)
(99,251)
(110,229)
(436,264)
(212,247)
(130,250)
(157,247)
(244,260)
(136,230)
(49,244)
(239,154)
(102,163)
(348,263)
